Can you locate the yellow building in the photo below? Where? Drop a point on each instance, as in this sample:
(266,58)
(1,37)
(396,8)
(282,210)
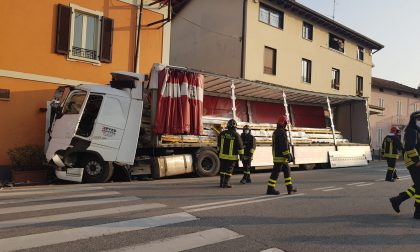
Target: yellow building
(276,41)
(48,43)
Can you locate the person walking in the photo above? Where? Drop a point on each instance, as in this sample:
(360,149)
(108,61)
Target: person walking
(230,145)
(391,145)
(281,158)
(249,147)
(411,160)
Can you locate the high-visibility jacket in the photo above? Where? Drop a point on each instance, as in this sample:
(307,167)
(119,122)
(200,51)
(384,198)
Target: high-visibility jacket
(230,145)
(411,146)
(280,146)
(249,145)
(390,146)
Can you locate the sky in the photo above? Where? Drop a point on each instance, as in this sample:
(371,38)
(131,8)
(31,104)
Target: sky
(394,24)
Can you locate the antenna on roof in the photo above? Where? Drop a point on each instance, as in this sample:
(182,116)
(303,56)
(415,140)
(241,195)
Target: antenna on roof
(333,16)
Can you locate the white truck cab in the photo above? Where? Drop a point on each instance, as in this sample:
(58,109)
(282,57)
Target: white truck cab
(95,128)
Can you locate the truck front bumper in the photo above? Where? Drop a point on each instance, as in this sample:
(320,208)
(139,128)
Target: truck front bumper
(67,173)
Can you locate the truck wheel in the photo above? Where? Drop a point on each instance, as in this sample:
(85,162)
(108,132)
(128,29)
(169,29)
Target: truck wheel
(97,171)
(207,163)
(306,166)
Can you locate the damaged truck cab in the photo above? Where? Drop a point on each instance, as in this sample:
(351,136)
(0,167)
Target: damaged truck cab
(95,128)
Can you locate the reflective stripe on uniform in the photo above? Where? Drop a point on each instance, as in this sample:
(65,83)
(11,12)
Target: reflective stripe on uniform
(222,173)
(228,174)
(247,172)
(279,160)
(288,181)
(272,182)
(252,151)
(388,155)
(286,152)
(228,157)
(391,169)
(412,153)
(411,191)
(418,198)
(241,151)
(231,147)
(222,144)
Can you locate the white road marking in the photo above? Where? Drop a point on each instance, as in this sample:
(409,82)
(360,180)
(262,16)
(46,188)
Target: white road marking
(358,183)
(21,209)
(404,178)
(74,234)
(322,188)
(272,250)
(225,201)
(81,189)
(333,189)
(242,203)
(368,184)
(185,242)
(379,180)
(49,198)
(78,215)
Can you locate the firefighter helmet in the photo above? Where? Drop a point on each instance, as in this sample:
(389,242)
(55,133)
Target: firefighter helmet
(232,124)
(415,116)
(395,130)
(246,128)
(282,121)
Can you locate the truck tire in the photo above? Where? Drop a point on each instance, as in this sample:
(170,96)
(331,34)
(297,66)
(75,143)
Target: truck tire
(96,170)
(207,163)
(307,166)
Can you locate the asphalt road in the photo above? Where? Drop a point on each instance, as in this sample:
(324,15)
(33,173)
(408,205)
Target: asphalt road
(344,209)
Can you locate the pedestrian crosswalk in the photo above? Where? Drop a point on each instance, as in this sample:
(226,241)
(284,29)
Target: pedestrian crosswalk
(35,212)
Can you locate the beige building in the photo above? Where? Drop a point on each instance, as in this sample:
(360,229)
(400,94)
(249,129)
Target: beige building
(397,102)
(281,42)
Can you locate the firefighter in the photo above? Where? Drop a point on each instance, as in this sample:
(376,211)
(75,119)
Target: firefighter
(281,158)
(390,147)
(411,160)
(249,147)
(230,146)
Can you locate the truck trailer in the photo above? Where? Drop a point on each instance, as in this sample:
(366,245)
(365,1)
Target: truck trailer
(167,123)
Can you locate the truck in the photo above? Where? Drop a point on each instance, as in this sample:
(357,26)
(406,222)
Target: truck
(166,124)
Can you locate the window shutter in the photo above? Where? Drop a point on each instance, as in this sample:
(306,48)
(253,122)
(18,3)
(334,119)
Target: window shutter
(63,29)
(106,40)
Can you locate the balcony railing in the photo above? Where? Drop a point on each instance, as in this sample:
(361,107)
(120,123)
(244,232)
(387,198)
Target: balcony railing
(84,53)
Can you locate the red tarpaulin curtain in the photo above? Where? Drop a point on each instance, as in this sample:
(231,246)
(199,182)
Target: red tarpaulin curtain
(308,116)
(180,103)
(222,107)
(264,112)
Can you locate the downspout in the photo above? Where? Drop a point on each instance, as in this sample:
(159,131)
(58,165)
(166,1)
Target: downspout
(244,15)
(137,55)
(332,123)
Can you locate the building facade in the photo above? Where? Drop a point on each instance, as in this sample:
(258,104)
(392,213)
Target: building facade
(66,42)
(397,102)
(280,42)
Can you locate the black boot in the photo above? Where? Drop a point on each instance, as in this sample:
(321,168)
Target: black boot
(226,183)
(396,202)
(244,179)
(417,213)
(389,176)
(272,191)
(248,178)
(290,189)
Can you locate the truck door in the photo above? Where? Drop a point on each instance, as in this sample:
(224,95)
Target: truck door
(66,121)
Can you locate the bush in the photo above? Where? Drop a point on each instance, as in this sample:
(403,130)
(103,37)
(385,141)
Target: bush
(26,158)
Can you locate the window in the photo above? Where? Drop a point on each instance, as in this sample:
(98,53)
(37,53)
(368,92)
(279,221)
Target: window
(359,85)
(270,56)
(379,140)
(399,108)
(335,79)
(381,104)
(306,70)
(74,103)
(271,16)
(336,43)
(84,34)
(4,94)
(360,53)
(307,31)
(90,113)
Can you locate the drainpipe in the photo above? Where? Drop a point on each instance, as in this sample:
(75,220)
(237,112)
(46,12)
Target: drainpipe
(244,14)
(137,56)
